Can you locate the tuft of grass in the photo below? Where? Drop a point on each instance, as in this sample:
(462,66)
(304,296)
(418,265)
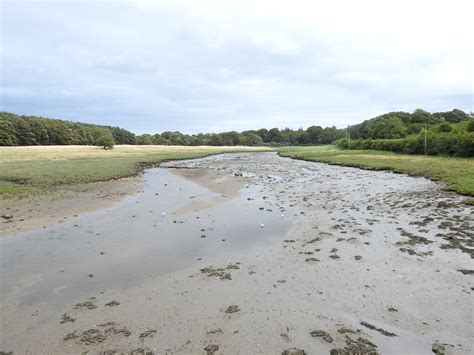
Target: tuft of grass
(469,201)
(30,171)
(456,173)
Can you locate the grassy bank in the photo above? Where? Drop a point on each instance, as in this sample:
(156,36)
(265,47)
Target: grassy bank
(26,171)
(456,173)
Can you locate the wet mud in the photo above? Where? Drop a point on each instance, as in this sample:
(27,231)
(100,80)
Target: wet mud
(249,253)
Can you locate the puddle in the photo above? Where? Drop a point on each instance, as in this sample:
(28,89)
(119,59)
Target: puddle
(167,227)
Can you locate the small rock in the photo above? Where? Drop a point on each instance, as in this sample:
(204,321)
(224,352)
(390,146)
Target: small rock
(67,318)
(211,349)
(148,333)
(321,334)
(112,303)
(232,309)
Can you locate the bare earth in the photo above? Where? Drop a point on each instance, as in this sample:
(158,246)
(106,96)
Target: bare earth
(329,258)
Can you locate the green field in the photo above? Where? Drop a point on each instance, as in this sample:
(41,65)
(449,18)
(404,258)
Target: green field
(456,173)
(34,170)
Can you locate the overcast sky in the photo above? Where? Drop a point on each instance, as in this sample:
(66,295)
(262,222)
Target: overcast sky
(211,66)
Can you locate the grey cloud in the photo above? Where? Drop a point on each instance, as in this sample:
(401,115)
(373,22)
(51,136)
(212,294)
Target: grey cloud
(169,67)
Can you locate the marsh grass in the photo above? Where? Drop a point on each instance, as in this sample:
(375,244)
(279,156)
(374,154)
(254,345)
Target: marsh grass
(34,170)
(456,173)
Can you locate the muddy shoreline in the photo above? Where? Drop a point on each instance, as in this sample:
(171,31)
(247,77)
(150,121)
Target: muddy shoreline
(68,201)
(249,253)
(387,169)
(63,203)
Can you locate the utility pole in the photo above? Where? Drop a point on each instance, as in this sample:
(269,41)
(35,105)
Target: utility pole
(426,133)
(348,138)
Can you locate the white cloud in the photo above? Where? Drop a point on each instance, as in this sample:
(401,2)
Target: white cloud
(220,65)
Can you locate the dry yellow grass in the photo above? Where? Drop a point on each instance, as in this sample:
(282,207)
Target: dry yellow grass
(32,170)
(83,151)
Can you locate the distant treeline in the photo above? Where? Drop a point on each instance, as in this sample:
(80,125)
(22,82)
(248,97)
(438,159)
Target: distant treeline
(32,130)
(392,131)
(445,133)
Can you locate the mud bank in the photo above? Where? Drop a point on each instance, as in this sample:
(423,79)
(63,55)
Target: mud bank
(64,203)
(285,254)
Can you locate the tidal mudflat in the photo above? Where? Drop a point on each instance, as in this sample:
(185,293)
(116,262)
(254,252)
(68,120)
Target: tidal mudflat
(248,253)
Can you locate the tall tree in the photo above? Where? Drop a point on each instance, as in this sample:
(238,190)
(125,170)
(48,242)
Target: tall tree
(25,133)
(7,134)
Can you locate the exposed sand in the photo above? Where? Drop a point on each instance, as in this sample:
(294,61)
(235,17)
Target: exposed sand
(371,263)
(226,186)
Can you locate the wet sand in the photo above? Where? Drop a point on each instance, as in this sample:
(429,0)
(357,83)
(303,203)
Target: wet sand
(254,254)
(63,203)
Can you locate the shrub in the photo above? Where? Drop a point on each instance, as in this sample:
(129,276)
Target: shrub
(443,143)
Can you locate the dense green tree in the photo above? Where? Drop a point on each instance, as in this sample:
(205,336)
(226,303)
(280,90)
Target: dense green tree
(40,132)
(7,133)
(274,135)
(470,126)
(454,116)
(250,139)
(421,116)
(215,139)
(388,127)
(330,134)
(263,133)
(314,134)
(444,127)
(396,131)
(230,138)
(25,133)
(104,139)
(145,139)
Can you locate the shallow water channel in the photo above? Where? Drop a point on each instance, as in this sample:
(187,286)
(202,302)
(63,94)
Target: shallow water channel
(148,234)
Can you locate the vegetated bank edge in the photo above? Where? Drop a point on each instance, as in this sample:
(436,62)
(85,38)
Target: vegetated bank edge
(16,186)
(450,182)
